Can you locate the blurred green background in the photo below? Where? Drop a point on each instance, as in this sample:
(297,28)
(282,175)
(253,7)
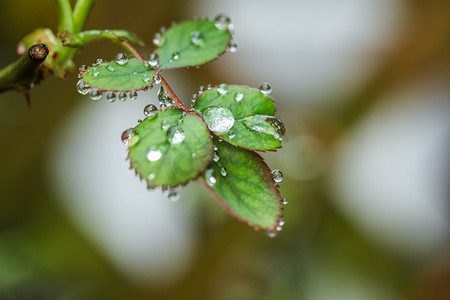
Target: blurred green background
(363,88)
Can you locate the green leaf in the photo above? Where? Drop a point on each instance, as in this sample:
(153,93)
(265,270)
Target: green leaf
(243,184)
(170,148)
(192,43)
(242,116)
(90,35)
(112,76)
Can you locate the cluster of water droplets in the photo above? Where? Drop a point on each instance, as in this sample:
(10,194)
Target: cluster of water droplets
(164,98)
(172,193)
(223,22)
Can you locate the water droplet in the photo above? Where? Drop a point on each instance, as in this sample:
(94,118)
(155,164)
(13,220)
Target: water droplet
(222,22)
(96,73)
(223,171)
(83,68)
(121,58)
(154,154)
(222,89)
(270,233)
(157,39)
(197,38)
(209,176)
(110,96)
(285,201)
(99,61)
(165,99)
(151,176)
(194,154)
(172,194)
(123,96)
(238,96)
(175,135)
(82,87)
(153,60)
(216,157)
(165,124)
(95,94)
(277,175)
(150,110)
(133,95)
(146,79)
(281,223)
(215,147)
(129,137)
(194,98)
(157,79)
(231,134)
(232,47)
(110,68)
(265,88)
(209,86)
(176,55)
(218,118)
(279,228)
(265,124)
(201,89)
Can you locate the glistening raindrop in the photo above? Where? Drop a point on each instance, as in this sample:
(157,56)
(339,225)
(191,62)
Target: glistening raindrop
(218,118)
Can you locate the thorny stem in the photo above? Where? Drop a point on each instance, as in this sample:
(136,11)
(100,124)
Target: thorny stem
(170,91)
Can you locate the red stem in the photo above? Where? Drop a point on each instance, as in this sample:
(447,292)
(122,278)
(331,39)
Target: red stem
(175,98)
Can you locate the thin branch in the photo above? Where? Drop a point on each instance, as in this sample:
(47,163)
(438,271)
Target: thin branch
(22,73)
(65,15)
(170,91)
(81,13)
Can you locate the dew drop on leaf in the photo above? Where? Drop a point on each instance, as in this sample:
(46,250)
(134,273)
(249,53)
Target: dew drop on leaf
(82,87)
(157,39)
(197,38)
(175,135)
(265,88)
(151,176)
(123,96)
(129,137)
(111,96)
(216,157)
(231,134)
(209,176)
(95,94)
(270,233)
(201,89)
(83,68)
(98,62)
(222,21)
(223,171)
(153,59)
(172,194)
(277,175)
(150,110)
(165,124)
(285,201)
(176,55)
(218,118)
(238,96)
(121,58)
(222,89)
(232,47)
(157,79)
(133,95)
(154,154)
(110,68)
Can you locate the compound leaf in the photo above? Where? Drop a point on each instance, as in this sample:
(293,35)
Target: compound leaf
(243,185)
(170,148)
(112,76)
(242,116)
(192,43)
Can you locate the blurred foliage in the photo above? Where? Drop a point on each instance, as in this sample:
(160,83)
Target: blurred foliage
(42,256)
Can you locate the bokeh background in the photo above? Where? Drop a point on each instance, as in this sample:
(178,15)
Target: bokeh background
(363,87)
